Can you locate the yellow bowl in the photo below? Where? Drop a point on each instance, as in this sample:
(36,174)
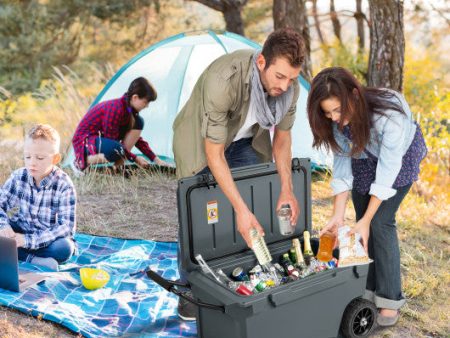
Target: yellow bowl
(93,278)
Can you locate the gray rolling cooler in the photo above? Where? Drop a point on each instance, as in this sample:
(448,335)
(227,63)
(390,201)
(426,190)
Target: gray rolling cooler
(312,307)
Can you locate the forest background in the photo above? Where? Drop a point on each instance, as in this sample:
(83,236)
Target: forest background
(55,57)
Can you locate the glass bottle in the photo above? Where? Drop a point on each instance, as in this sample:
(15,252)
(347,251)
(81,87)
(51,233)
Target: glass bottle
(284,220)
(307,251)
(260,249)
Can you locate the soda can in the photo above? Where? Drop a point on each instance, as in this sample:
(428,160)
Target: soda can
(261,286)
(239,274)
(333,263)
(243,290)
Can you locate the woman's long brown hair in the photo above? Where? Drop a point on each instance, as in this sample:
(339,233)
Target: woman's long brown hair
(358,105)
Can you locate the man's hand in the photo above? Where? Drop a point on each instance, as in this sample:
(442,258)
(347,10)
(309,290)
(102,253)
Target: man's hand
(142,162)
(7,231)
(245,221)
(289,198)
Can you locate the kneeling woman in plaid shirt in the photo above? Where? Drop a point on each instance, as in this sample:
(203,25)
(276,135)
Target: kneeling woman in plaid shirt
(110,129)
(37,203)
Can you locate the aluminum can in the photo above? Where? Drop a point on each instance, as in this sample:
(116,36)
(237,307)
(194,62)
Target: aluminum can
(239,274)
(243,290)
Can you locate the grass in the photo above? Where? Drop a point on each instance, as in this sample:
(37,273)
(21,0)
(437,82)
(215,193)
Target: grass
(144,206)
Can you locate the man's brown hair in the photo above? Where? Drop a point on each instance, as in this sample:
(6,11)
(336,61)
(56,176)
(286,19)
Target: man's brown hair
(286,43)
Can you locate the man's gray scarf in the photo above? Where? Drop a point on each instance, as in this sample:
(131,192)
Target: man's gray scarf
(269,110)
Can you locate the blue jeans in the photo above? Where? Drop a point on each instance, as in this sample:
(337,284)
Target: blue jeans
(113,149)
(238,154)
(60,249)
(383,285)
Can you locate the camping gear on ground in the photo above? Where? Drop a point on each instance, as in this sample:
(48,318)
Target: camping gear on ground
(13,278)
(173,66)
(314,306)
(93,279)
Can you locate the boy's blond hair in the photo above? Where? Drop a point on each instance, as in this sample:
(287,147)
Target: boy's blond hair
(45,132)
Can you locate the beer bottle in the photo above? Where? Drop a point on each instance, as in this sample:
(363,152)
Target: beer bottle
(288,267)
(260,249)
(307,252)
(293,255)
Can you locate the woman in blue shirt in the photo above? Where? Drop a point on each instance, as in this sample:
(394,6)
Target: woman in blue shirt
(377,150)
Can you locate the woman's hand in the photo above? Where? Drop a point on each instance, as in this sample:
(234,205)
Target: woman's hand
(332,226)
(142,162)
(363,228)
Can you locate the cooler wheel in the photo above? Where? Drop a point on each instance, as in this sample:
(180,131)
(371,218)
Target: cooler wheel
(358,319)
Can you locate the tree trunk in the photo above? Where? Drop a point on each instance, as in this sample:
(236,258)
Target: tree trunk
(233,17)
(359,16)
(317,22)
(387,44)
(231,11)
(335,21)
(292,13)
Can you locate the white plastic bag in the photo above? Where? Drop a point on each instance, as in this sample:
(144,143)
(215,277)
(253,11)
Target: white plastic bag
(351,251)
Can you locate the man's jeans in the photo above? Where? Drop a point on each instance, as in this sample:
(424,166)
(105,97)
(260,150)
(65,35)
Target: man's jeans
(238,154)
(383,285)
(61,249)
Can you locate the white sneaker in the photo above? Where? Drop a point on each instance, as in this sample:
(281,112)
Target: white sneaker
(76,172)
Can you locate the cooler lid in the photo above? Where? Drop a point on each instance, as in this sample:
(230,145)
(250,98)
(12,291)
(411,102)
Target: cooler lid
(207,220)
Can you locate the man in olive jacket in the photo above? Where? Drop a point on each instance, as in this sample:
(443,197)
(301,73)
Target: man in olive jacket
(227,120)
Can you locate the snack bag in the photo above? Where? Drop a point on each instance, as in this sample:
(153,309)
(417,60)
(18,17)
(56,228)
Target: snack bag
(351,251)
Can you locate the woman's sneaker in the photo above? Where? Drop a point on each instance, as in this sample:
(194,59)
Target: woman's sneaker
(186,309)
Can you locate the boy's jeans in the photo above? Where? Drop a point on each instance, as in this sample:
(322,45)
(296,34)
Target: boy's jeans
(238,154)
(383,285)
(61,249)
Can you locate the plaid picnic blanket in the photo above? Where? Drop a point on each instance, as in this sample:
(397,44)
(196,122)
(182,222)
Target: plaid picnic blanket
(129,305)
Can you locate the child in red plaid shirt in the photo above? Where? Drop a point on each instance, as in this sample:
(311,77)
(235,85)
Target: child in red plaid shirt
(110,129)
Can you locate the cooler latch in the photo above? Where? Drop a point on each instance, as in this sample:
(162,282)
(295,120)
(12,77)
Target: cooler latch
(296,165)
(209,180)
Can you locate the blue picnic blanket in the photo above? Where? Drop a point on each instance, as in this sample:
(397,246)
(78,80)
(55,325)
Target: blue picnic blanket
(129,305)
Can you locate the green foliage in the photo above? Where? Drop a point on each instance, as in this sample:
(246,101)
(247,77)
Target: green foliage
(36,35)
(33,37)
(338,54)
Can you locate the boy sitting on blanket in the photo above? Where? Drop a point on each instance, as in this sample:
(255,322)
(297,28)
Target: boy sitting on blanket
(37,203)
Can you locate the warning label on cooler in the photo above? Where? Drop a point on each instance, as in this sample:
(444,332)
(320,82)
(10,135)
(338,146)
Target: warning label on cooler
(212,212)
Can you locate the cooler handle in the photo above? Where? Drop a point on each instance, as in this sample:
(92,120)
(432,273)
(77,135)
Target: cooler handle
(299,291)
(171,287)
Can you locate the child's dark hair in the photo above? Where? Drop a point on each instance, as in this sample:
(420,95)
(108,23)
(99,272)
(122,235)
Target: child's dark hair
(287,43)
(142,88)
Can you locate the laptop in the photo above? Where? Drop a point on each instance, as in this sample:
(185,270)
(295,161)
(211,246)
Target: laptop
(11,277)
